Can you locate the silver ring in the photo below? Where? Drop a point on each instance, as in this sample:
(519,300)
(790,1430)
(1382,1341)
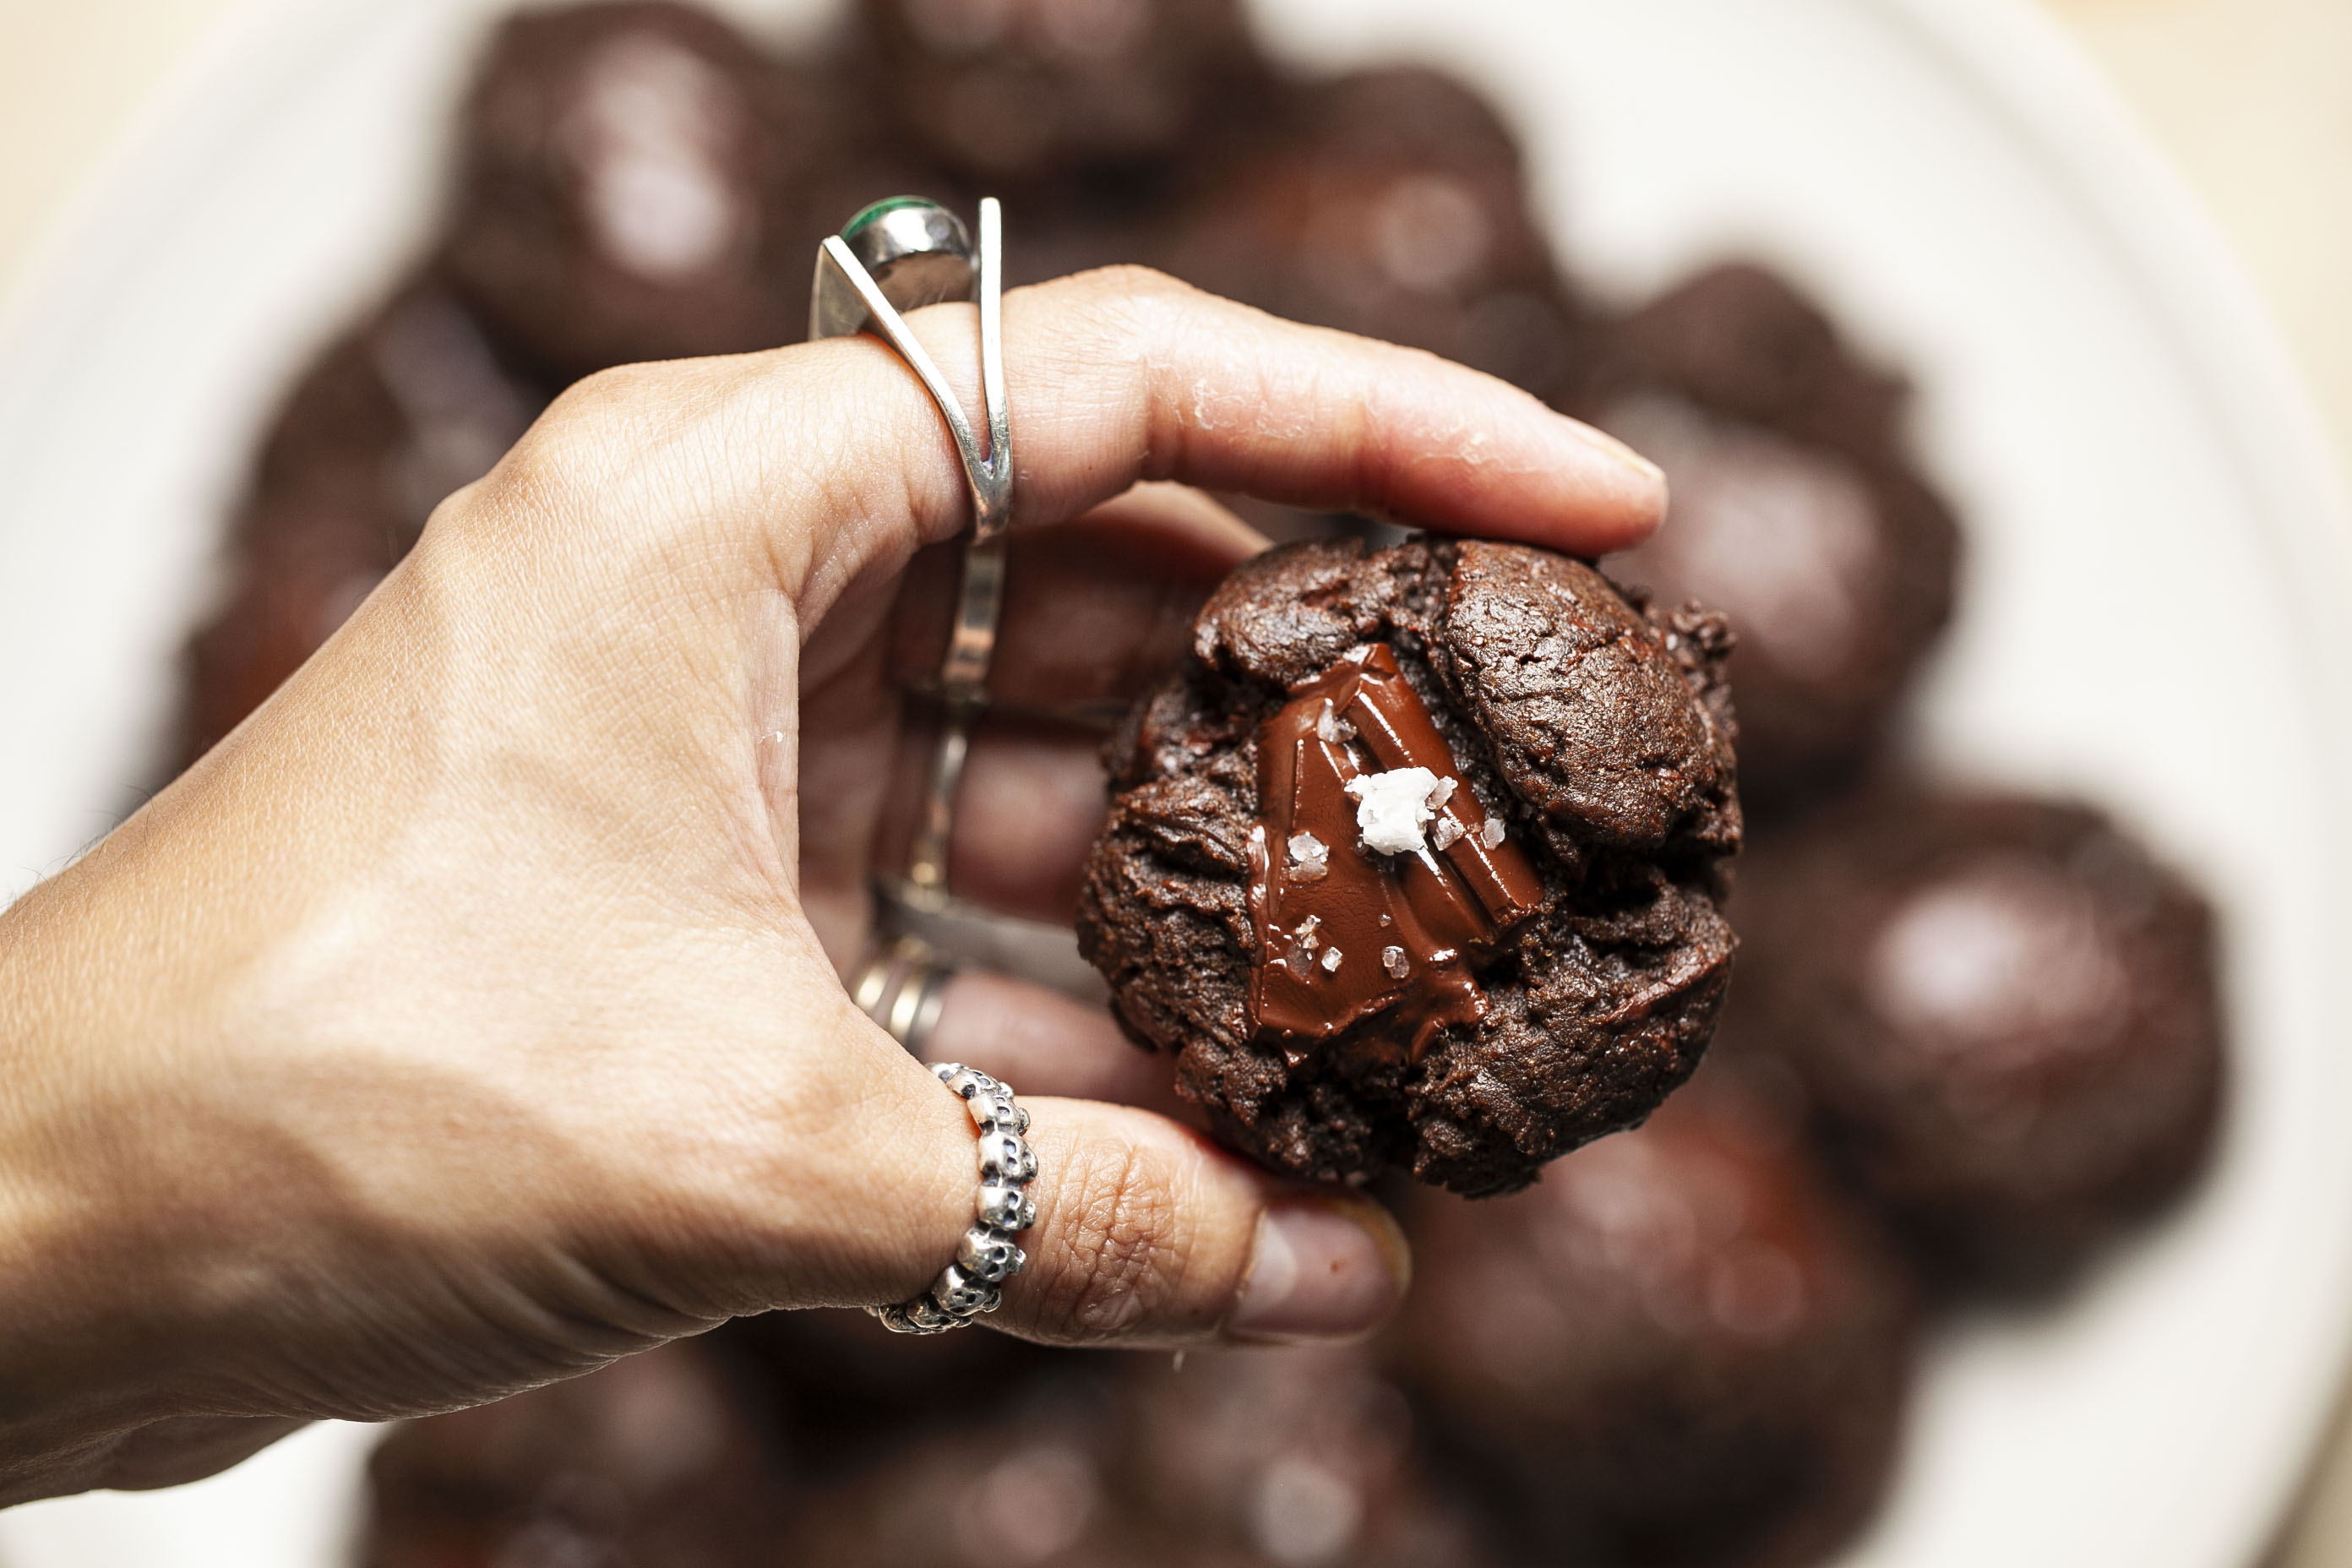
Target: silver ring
(899,254)
(988,1254)
(903,988)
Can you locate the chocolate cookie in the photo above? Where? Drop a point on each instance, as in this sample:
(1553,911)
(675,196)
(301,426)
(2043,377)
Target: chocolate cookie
(1281,1457)
(1027,92)
(637,182)
(1029,1482)
(1235,1460)
(1391,204)
(1680,1347)
(1797,511)
(1414,862)
(838,1372)
(413,404)
(2006,1014)
(654,1459)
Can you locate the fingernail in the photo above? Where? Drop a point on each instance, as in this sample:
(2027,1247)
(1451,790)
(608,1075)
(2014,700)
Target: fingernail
(1321,1268)
(1609,446)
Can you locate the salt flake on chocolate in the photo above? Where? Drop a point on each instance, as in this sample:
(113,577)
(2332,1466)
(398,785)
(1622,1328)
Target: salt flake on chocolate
(1303,943)
(1331,961)
(1491,835)
(1391,808)
(1310,857)
(1330,727)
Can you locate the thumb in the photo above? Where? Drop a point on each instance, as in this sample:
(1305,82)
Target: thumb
(1147,1233)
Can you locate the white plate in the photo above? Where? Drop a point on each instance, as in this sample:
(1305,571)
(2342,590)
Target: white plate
(2153,573)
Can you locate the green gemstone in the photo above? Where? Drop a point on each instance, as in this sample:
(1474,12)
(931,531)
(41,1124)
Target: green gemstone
(872,213)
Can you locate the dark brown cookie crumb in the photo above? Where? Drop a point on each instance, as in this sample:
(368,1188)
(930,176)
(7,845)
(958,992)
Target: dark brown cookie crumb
(1598,738)
(2005,1012)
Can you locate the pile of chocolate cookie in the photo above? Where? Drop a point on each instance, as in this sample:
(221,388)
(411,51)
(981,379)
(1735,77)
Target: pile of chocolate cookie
(1967,1037)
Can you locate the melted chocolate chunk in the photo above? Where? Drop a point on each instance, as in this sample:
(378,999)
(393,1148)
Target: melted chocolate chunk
(1344,931)
(1532,988)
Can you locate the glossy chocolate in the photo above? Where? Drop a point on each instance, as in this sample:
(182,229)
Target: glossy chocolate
(1345,933)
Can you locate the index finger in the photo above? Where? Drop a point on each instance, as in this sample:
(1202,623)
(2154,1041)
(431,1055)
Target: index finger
(1124,375)
(1114,378)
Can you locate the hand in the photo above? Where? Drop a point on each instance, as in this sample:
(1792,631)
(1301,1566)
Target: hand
(471,1016)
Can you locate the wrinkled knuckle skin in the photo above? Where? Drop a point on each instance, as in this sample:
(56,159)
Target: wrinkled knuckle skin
(551,470)
(1117,1258)
(598,448)
(1139,313)
(1133,281)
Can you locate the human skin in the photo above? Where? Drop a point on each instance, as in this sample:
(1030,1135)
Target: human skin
(472,1015)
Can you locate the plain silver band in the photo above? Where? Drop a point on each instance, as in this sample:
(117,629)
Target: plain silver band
(980,597)
(903,988)
(989,474)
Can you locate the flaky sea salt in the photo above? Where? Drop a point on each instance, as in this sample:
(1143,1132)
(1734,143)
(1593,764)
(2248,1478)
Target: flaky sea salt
(1392,959)
(1310,857)
(1329,726)
(1491,835)
(1391,808)
(1444,834)
(1331,961)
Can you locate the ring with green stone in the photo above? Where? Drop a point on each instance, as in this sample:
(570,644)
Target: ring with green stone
(896,255)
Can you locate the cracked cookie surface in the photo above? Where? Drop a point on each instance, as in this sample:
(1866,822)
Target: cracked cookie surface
(1532,953)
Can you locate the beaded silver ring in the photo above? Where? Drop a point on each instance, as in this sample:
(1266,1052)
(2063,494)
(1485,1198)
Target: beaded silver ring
(988,1254)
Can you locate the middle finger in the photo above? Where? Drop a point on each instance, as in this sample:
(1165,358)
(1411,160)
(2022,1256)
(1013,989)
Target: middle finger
(1026,809)
(1095,608)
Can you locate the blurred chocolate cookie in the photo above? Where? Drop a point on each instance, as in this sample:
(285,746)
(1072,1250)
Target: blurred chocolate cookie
(412,405)
(1797,511)
(1679,1347)
(1388,202)
(1029,1483)
(1285,1456)
(838,1372)
(1234,1459)
(654,1459)
(637,182)
(1030,92)
(2005,1012)
(1414,862)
